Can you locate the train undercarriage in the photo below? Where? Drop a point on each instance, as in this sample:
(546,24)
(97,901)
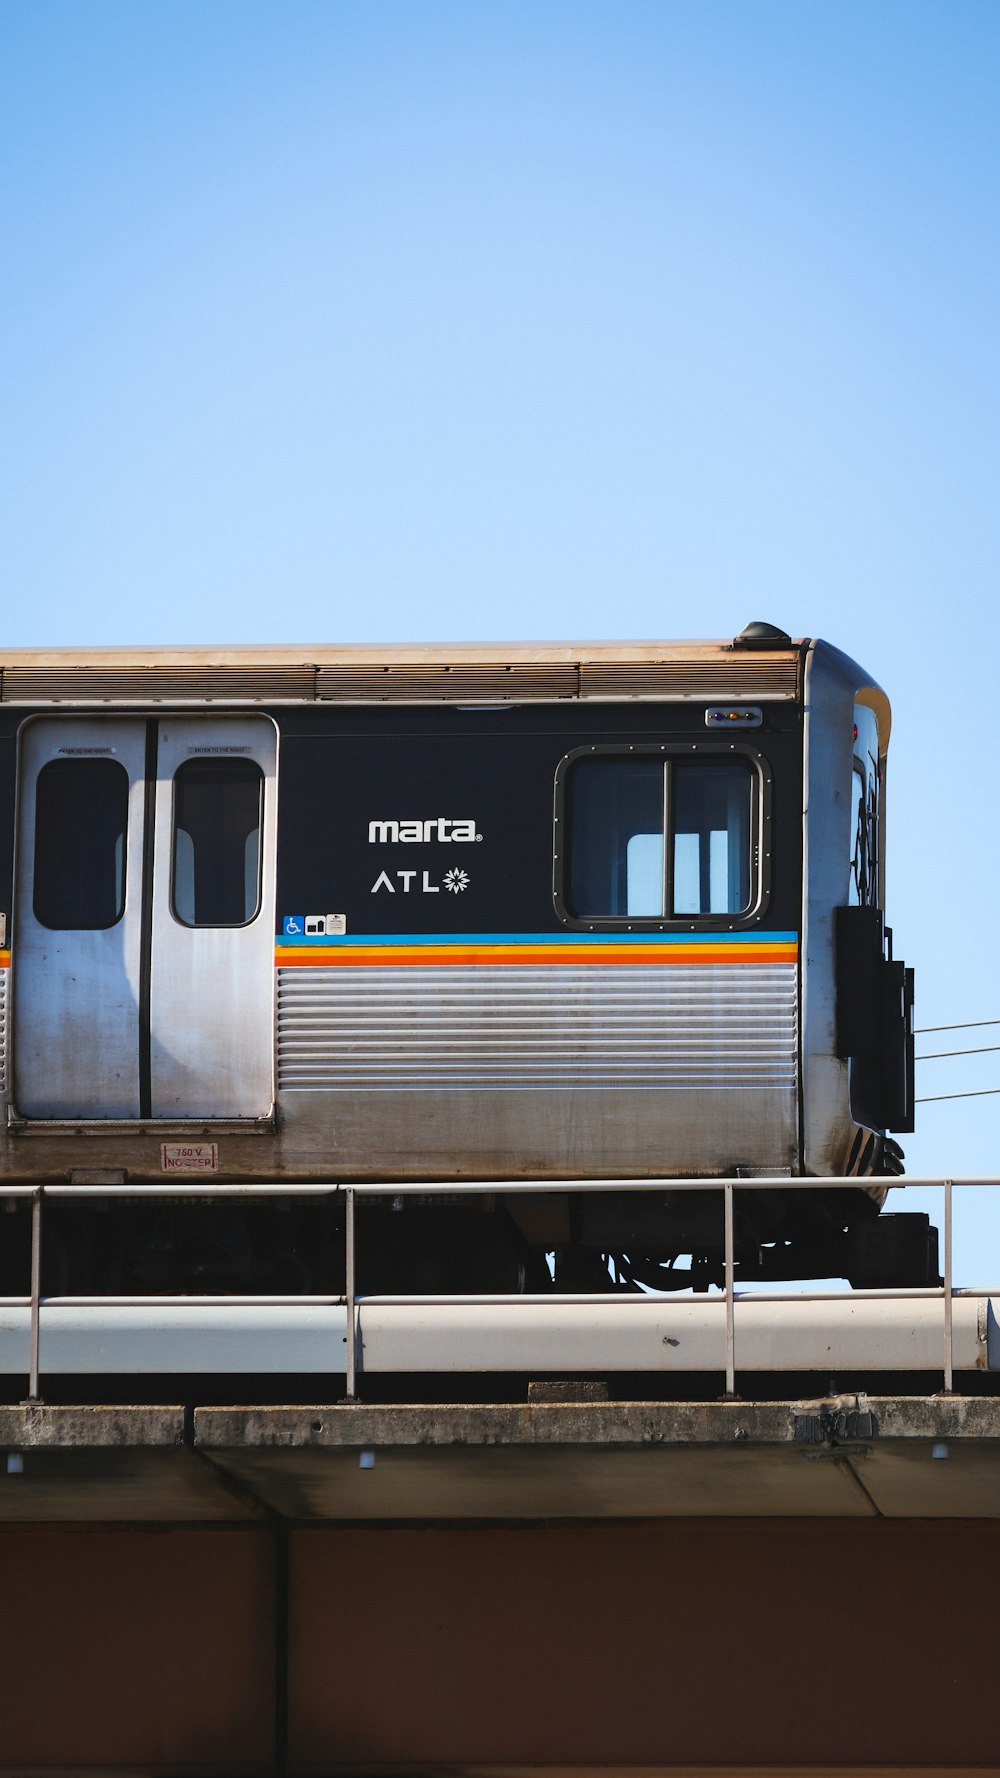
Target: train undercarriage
(462,1245)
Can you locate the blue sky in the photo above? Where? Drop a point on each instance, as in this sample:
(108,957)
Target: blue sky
(403,321)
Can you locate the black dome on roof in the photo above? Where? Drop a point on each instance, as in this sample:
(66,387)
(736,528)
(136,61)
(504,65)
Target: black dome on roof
(761,635)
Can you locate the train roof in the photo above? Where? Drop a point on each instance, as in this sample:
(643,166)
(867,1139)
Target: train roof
(770,664)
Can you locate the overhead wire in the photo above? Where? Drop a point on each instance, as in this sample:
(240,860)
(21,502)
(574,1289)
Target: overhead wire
(967,1025)
(945,1055)
(981,1092)
(986,1049)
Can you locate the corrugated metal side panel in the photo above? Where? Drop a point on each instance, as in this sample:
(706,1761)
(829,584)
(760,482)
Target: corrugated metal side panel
(491,1028)
(82,685)
(736,676)
(739,676)
(473,681)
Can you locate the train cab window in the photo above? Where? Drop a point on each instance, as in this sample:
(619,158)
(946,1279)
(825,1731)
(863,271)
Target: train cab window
(616,823)
(659,839)
(711,833)
(81,824)
(863,881)
(216,853)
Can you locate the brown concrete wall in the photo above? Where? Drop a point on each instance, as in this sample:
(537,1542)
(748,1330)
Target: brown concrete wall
(733,1642)
(730,1643)
(125,1648)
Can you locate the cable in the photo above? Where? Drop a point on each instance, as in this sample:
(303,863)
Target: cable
(983,1093)
(970,1025)
(986,1049)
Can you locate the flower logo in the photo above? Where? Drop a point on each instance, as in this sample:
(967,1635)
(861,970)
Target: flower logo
(456,880)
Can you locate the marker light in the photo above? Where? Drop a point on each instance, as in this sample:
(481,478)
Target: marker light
(733,716)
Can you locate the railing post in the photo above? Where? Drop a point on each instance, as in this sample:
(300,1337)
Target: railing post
(730,1305)
(350,1380)
(34,1338)
(948,1299)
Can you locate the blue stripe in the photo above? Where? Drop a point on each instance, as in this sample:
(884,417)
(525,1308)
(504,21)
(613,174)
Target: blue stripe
(541,938)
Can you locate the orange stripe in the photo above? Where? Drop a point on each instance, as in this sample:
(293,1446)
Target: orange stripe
(389,956)
(313,957)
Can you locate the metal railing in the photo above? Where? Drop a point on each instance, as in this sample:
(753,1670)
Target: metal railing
(201,1191)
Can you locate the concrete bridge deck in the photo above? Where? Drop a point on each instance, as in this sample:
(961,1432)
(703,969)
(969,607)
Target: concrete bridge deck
(846,1456)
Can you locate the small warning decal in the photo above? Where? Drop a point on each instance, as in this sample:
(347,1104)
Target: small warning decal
(314,926)
(189,1157)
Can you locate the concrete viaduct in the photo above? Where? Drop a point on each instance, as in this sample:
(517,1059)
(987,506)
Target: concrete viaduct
(564,1586)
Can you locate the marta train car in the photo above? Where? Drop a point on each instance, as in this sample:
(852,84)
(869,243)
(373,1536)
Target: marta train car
(468,913)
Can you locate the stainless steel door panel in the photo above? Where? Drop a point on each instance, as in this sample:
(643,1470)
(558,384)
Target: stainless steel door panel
(212,987)
(76,993)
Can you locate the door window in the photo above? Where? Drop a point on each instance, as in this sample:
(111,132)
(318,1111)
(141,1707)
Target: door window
(81,819)
(216,842)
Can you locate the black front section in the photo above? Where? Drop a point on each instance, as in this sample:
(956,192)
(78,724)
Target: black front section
(482,783)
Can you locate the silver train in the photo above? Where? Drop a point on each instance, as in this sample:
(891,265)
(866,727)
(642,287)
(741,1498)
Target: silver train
(546,912)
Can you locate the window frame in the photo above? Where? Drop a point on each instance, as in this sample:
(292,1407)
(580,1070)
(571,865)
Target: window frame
(668,752)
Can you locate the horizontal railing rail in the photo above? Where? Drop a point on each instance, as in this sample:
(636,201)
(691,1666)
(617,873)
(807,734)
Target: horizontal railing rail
(352,1191)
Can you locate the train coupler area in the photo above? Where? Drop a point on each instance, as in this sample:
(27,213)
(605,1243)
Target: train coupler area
(677,1242)
(894,1251)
